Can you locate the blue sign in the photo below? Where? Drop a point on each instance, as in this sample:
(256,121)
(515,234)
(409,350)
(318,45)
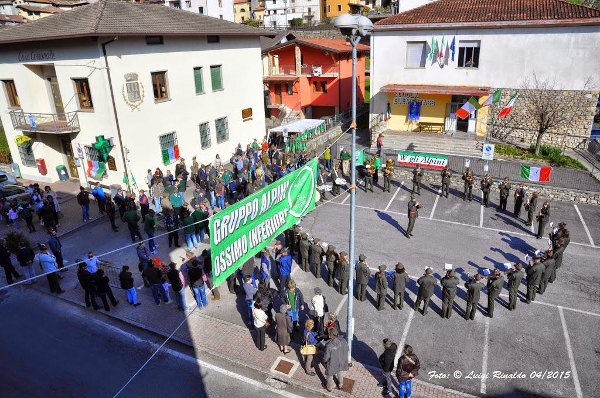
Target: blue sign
(32,122)
(488,152)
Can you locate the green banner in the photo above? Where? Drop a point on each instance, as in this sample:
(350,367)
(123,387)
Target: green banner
(246,227)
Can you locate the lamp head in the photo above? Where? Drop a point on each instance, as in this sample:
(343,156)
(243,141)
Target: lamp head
(365,26)
(346,23)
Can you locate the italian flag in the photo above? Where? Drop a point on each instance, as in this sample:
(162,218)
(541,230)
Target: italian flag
(493,98)
(170,155)
(96,169)
(506,110)
(469,107)
(540,174)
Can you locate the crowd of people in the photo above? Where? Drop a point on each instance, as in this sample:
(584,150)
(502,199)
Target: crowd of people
(38,202)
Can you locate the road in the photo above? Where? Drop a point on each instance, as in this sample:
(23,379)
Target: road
(54,349)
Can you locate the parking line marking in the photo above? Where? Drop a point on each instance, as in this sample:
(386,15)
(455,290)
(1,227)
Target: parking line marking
(434,206)
(481,218)
(404,334)
(570,352)
(532,228)
(587,231)
(484,364)
(392,199)
(345,199)
(341,304)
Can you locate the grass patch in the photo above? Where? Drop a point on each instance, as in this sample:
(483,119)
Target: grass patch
(367,89)
(552,155)
(4,149)
(3,141)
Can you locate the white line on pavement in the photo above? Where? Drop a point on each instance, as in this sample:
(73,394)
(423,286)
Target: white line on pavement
(481,218)
(392,199)
(345,199)
(404,334)
(341,304)
(434,206)
(532,228)
(484,363)
(587,231)
(570,352)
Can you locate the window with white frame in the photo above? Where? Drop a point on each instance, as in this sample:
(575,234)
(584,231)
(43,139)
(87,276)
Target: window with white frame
(204,135)
(222,129)
(26,153)
(416,54)
(468,53)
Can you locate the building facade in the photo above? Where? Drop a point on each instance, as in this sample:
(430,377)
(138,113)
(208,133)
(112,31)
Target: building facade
(312,78)
(433,57)
(146,99)
(241,11)
(279,13)
(221,9)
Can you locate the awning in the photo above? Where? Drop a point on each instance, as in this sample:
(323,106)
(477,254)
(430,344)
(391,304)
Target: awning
(430,89)
(280,79)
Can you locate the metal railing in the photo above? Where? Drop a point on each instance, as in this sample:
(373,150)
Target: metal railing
(112,272)
(278,70)
(46,122)
(306,70)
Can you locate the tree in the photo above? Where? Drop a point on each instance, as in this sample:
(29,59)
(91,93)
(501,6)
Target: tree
(296,22)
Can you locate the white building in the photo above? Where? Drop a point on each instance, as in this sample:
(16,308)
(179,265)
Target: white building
(222,9)
(152,89)
(279,13)
(497,44)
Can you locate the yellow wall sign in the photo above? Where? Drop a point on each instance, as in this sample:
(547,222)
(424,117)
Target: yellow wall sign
(21,139)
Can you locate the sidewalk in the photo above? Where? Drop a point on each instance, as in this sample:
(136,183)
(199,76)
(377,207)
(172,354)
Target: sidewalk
(226,340)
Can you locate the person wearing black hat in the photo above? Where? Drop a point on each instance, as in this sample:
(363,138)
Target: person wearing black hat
(331,260)
(446,178)
(416,180)
(343,273)
(534,276)
(413,213)
(515,276)
(449,283)
(558,255)
(530,206)
(316,256)
(519,197)
(362,277)
(548,272)
(494,287)
(474,287)
(304,249)
(426,284)
(399,280)
(381,286)
(504,192)
(543,217)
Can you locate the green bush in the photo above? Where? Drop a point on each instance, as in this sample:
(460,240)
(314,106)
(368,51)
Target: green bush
(295,22)
(13,241)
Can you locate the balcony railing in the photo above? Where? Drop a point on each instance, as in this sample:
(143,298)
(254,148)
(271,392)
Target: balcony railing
(306,70)
(45,122)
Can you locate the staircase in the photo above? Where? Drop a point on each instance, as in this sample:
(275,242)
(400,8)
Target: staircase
(432,143)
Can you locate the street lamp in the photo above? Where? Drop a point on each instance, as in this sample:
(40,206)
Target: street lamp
(353,27)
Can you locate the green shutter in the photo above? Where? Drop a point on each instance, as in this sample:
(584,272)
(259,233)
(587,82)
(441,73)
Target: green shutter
(215,77)
(198,80)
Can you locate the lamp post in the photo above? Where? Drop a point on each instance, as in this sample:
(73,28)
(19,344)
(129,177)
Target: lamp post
(353,27)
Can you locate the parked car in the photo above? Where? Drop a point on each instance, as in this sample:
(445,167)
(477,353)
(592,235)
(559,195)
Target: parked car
(11,192)
(6,178)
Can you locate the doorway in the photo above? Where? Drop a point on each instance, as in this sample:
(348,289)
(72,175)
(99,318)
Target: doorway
(68,151)
(57,98)
(278,93)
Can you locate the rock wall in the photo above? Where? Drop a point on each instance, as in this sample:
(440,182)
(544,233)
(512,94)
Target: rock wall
(522,124)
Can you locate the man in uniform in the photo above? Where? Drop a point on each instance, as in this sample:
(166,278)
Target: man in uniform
(543,216)
(399,279)
(426,284)
(413,213)
(345,158)
(362,277)
(519,197)
(449,284)
(369,173)
(445,181)
(494,287)
(331,259)
(557,256)
(486,185)
(388,171)
(304,250)
(468,179)
(417,176)
(381,287)
(474,287)
(531,207)
(316,256)
(549,271)
(534,276)
(343,273)
(514,281)
(335,174)
(504,191)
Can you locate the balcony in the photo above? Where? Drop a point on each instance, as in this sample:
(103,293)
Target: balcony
(64,123)
(306,70)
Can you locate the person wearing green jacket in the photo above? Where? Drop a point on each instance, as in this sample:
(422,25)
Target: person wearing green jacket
(131,218)
(189,230)
(200,215)
(176,200)
(150,228)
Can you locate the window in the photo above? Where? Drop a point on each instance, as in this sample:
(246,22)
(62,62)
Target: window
(324,9)
(220,3)
(220,16)
(26,153)
(153,40)
(468,53)
(246,114)
(159,84)
(222,129)
(201,10)
(293,10)
(317,87)
(416,54)
(242,10)
(133,91)
(188,3)
(290,87)
(324,86)
(212,39)
(167,141)
(84,95)
(339,7)
(198,80)
(11,93)
(204,135)
(215,77)
(328,8)
(308,10)
(92,153)
(243,19)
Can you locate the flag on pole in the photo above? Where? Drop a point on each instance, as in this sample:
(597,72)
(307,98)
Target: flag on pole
(469,107)
(506,110)
(170,155)
(452,48)
(493,98)
(442,48)
(539,174)
(432,51)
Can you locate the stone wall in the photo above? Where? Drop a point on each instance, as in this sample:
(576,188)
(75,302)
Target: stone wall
(321,142)
(433,179)
(522,124)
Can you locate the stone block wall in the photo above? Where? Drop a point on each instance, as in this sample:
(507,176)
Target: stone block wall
(522,123)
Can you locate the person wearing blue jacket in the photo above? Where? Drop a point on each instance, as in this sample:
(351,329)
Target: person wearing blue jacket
(285,269)
(100,196)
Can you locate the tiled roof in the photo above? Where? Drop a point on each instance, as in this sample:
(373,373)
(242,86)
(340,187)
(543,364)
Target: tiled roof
(428,89)
(110,17)
(338,46)
(259,9)
(465,11)
(241,1)
(59,3)
(12,18)
(47,10)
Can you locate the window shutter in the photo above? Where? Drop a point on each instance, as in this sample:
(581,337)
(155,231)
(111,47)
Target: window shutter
(198,80)
(215,77)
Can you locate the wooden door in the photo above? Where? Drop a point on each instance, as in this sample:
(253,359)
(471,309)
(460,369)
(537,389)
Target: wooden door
(68,151)
(278,93)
